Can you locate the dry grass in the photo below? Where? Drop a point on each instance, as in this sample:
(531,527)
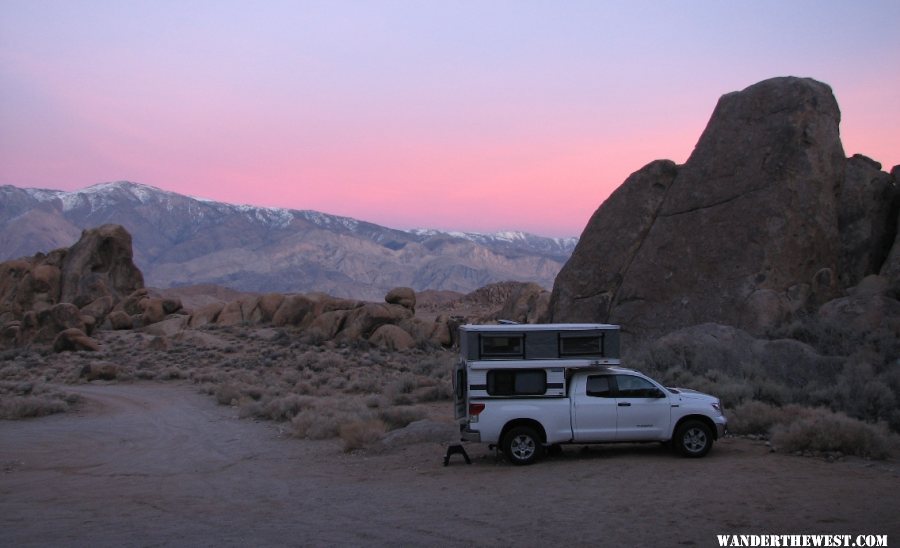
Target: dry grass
(22,400)
(361,434)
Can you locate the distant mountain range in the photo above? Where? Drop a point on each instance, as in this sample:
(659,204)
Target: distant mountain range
(180,240)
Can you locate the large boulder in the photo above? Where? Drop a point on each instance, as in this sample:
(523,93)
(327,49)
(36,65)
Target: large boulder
(99,264)
(99,308)
(54,320)
(205,315)
(29,284)
(710,348)
(748,232)
(298,310)
(586,288)
(867,213)
(527,303)
(891,267)
(404,296)
(392,337)
(362,322)
(119,320)
(236,312)
(73,340)
(267,306)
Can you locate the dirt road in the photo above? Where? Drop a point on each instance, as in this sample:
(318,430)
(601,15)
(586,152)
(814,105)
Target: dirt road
(158,464)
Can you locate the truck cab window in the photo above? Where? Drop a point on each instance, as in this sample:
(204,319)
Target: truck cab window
(635,387)
(598,386)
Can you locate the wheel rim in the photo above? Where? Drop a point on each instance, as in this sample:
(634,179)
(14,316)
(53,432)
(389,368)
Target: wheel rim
(695,440)
(523,447)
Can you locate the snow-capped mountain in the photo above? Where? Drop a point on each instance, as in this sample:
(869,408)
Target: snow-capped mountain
(181,240)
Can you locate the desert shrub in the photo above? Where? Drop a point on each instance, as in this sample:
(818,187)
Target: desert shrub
(405,384)
(251,409)
(304,388)
(286,407)
(336,382)
(314,336)
(324,420)
(770,390)
(359,434)
(864,393)
(368,384)
(172,373)
(206,376)
(434,364)
(822,431)
(22,407)
(400,416)
(436,392)
(21,400)
(290,376)
(227,393)
(756,417)
(13,371)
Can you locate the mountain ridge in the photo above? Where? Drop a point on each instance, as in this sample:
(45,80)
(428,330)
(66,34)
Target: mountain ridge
(183,240)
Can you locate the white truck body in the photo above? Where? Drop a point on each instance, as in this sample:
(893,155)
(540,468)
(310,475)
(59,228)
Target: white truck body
(506,397)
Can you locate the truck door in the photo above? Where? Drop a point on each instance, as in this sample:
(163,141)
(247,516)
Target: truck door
(644,410)
(593,409)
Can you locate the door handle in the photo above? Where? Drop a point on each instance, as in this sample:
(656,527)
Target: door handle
(624,404)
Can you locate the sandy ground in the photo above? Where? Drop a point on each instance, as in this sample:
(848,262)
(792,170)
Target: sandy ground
(158,464)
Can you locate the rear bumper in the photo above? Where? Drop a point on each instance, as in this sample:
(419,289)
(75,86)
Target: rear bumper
(469,435)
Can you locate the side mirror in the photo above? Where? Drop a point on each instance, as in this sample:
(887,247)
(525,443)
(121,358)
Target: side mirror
(657,393)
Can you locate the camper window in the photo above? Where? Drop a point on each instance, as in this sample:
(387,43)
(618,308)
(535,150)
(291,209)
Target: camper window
(502,346)
(590,345)
(516,382)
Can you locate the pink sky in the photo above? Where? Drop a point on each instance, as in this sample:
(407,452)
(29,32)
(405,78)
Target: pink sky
(453,115)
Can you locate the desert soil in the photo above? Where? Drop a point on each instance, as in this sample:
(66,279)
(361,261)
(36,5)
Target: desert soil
(159,464)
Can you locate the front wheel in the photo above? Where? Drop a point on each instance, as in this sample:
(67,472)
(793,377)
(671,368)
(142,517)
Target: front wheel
(522,445)
(693,439)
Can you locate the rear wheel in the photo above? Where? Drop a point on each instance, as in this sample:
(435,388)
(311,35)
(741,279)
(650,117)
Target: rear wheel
(693,439)
(522,445)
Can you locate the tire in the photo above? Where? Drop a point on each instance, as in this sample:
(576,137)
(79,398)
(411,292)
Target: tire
(522,445)
(693,439)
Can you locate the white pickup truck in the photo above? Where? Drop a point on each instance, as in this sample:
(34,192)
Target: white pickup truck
(513,392)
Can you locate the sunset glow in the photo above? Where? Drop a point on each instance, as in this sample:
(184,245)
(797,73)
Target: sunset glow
(477,116)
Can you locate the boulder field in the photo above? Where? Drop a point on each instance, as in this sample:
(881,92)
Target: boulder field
(62,297)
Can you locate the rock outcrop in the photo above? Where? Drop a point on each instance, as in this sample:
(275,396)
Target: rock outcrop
(99,265)
(60,297)
(767,220)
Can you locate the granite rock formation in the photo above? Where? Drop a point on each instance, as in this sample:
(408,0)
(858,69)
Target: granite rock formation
(62,296)
(766,222)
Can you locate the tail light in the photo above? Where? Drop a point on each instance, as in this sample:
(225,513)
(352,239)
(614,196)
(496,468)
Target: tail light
(475,409)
